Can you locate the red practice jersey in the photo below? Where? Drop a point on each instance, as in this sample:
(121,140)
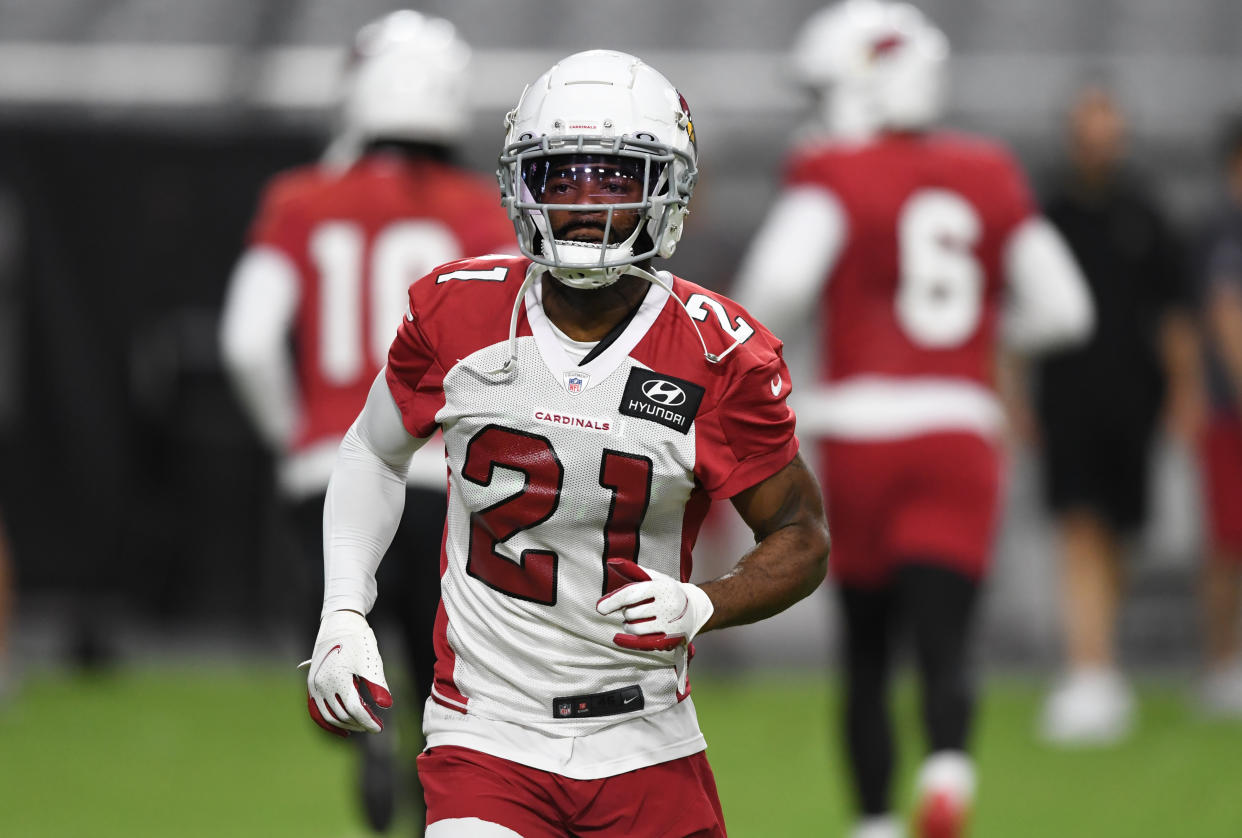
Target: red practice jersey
(357,239)
(556,466)
(907,319)
(916,289)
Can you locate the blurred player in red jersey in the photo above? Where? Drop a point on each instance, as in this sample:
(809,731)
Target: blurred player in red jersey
(1220,296)
(915,251)
(592,409)
(320,289)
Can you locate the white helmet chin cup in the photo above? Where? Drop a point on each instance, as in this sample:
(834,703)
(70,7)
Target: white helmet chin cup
(408,79)
(877,64)
(579,264)
(606,104)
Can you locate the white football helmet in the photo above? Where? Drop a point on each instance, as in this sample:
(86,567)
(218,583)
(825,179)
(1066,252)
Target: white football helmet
(878,65)
(407,79)
(596,116)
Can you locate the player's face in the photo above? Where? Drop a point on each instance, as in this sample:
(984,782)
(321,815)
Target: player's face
(589,180)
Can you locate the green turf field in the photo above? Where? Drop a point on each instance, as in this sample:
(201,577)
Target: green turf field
(225,751)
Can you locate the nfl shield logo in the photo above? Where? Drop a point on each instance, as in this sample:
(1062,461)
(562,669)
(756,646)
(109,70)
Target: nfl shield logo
(575,382)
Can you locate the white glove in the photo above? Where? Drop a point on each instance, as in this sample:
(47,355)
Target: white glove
(660,613)
(346,659)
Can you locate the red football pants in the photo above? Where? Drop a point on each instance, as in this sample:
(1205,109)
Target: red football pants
(1221,468)
(675,799)
(933,498)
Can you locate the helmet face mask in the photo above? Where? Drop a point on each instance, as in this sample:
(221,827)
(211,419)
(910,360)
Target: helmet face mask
(591,199)
(598,167)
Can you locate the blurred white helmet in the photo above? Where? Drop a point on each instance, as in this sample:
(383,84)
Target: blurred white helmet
(407,79)
(878,65)
(605,118)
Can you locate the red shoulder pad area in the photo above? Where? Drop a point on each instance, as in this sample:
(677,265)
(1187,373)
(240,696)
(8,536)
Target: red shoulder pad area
(469,294)
(456,309)
(991,169)
(726,326)
(746,433)
(280,200)
(816,163)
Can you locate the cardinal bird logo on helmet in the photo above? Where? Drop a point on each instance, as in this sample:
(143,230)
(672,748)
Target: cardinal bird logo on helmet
(685,109)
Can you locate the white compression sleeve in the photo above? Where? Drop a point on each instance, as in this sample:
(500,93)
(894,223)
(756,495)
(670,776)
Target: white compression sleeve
(1049,303)
(259,309)
(791,257)
(366,497)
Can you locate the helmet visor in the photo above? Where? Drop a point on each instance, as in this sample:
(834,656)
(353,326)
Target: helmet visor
(589,197)
(586,179)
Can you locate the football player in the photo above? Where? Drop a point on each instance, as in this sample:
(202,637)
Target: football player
(592,408)
(908,252)
(316,296)
(1220,293)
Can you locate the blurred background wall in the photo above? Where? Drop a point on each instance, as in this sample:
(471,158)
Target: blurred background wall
(135,136)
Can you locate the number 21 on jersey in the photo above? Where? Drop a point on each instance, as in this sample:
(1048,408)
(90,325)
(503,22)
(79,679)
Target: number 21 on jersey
(533,577)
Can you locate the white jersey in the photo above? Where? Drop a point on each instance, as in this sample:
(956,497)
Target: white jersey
(554,467)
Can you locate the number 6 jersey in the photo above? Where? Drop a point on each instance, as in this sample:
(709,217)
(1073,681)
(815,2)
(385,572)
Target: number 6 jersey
(916,253)
(556,466)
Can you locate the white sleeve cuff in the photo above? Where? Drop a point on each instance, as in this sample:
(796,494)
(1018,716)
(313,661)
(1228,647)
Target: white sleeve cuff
(1049,303)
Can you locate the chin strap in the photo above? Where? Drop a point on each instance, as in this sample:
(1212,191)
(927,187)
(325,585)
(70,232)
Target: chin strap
(712,358)
(535,270)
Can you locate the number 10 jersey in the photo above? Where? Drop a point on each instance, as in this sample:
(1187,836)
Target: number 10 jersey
(555,467)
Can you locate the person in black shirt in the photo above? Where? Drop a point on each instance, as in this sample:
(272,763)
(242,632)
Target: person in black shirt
(1098,404)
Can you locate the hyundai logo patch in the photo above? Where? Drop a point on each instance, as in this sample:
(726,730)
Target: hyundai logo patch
(663,399)
(664,392)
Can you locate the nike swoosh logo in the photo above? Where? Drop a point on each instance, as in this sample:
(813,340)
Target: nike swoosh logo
(629,700)
(684,608)
(777,384)
(324,659)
